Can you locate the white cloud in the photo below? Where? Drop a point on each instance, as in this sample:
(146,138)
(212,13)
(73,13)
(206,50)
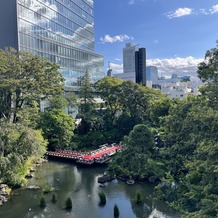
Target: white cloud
(35,8)
(90,2)
(117,68)
(179,12)
(131,2)
(214,9)
(203,11)
(188,11)
(156,41)
(181,66)
(117,38)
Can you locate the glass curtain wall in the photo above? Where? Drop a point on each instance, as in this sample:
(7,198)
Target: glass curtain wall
(61,31)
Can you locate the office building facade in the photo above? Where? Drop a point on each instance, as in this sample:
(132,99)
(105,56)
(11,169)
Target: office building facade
(61,31)
(129,58)
(134,64)
(152,74)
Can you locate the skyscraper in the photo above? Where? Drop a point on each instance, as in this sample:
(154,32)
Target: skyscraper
(134,64)
(61,31)
(140,66)
(129,58)
(152,74)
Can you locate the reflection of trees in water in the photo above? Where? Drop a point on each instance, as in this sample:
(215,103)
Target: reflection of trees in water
(88,176)
(150,205)
(62,177)
(151,208)
(143,210)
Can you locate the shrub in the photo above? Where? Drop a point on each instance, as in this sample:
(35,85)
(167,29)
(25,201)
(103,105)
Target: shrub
(138,198)
(102,198)
(54,198)
(116,211)
(47,189)
(68,203)
(42,203)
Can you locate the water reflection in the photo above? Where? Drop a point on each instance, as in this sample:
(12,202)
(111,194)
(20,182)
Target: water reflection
(81,185)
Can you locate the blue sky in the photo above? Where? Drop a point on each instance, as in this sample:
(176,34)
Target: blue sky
(175,33)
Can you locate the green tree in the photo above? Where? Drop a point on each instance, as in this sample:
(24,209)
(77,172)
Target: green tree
(57,128)
(126,104)
(72,102)
(58,102)
(108,89)
(190,155)
(158,109)
(23,78)
(19,147)
(29,115)
(86,94)
(207,72)
(138,158)
(118,94)
(140,98)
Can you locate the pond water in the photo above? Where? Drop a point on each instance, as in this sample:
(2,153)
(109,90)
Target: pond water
(80,183)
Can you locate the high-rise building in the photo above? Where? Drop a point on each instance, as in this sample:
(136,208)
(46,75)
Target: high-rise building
(61,31)
(134,64)
(140,66)
(129,58)
(152,74)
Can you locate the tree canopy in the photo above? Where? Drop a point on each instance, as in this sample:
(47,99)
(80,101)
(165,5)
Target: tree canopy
(23,78)
(208,73)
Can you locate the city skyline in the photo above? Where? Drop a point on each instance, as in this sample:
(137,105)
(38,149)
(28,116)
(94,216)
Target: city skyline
(175,33)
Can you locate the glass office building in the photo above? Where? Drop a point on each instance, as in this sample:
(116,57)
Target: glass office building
(61,31)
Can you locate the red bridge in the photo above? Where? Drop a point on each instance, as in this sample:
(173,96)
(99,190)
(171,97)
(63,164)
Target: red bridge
(101,155)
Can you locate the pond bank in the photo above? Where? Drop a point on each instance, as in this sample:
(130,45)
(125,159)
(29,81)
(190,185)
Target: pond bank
(4,193)
(81,185)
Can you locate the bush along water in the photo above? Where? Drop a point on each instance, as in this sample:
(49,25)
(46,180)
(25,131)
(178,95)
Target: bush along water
(54,198)
(102,198)
(68,204)
(42,202)
(138,198)
(116,211)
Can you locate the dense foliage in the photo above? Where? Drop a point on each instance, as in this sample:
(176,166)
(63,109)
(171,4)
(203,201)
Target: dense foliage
(173,141)
(25,80)
(125,105)
(192,147)
(19,147)
(184,155)
(57,128)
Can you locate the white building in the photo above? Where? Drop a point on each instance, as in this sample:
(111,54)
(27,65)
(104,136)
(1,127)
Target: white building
(176,90)
(175,87)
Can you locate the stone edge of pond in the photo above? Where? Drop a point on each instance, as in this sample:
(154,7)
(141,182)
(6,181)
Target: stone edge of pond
(5,190)
(4,193)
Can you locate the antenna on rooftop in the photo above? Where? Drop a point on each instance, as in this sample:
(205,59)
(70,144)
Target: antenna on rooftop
(109,64)
(109,72)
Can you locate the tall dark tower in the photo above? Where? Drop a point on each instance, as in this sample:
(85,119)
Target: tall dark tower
(140,66)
